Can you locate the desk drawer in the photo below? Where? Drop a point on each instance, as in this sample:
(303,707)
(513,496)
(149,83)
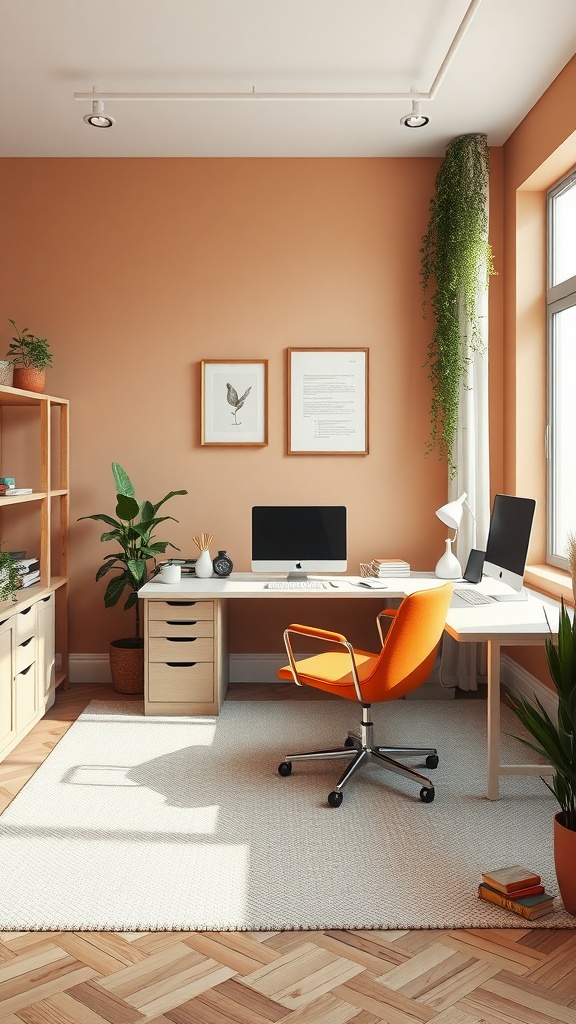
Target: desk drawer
(177,649)
(25,624)
(186,628)
(25,654)
(179,610)
(181,683)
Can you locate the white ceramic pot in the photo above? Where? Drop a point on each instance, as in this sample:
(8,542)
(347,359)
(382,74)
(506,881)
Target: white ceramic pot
(203,567)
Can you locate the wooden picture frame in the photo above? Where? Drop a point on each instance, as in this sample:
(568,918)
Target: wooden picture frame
(327,401)
(234,402)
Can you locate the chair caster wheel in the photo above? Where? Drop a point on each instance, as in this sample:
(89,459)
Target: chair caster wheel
(285,768)
(348,742)
(432,761)
(427,794)
(335,799)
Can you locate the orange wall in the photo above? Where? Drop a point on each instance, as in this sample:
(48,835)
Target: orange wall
(135,270)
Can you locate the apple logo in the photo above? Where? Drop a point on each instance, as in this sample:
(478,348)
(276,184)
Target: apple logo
(298,565)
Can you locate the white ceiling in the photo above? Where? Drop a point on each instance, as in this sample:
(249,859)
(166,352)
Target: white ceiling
(50,49)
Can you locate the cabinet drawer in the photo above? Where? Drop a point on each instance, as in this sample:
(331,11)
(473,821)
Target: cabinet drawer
(175,649)
(186,628)
(25,624)
(181,683)
(179,610)
(25,654)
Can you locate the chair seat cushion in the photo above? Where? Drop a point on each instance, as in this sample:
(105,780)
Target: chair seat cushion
(331,671)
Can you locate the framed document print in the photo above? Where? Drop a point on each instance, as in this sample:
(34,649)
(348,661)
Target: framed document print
(234,402)
(328,401)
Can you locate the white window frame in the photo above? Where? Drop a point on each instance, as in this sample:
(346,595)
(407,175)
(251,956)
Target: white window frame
(559,297)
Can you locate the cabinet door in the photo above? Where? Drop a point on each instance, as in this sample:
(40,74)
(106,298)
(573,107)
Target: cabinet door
(7,708)
(46,651)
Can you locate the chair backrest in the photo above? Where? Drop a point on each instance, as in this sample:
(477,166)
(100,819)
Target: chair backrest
(410,645)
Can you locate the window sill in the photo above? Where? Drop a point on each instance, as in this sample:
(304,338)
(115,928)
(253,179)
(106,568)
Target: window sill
(548,580)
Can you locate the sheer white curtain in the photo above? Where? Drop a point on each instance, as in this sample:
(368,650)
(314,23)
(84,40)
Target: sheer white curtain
(464,665)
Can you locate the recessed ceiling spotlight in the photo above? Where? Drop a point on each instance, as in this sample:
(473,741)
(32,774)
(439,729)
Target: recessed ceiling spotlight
(98,119)
(415,119)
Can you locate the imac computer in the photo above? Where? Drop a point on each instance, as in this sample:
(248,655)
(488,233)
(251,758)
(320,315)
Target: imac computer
(298,539)
(508,540)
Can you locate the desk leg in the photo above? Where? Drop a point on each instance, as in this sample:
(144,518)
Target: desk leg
(493,722)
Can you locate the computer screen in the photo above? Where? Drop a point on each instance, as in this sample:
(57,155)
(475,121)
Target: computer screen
(298,539)
(508,539)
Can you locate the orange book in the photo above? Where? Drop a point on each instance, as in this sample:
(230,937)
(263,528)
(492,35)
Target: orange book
(510,879)
(524,909)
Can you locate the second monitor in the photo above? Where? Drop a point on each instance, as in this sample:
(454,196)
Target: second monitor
(298,539)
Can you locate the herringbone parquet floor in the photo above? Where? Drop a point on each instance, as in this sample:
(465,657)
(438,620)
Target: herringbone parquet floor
(503,976)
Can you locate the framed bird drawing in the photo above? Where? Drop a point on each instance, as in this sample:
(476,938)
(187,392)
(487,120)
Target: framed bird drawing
(234,402)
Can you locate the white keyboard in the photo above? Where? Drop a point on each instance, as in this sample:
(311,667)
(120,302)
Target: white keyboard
(297,585)
(471,596)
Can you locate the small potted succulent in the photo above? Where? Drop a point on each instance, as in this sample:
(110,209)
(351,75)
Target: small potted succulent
(30,356)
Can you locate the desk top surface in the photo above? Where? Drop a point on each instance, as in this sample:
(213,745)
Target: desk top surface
(506,621)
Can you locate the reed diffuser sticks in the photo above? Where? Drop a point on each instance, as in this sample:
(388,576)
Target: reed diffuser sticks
(203,541)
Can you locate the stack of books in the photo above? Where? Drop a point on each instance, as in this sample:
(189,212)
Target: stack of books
(11,492)
(187,565)
(390,567)
(518,889)
(28,569)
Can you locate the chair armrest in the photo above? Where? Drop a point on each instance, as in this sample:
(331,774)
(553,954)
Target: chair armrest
(329,637)
(389,613)
(323,634)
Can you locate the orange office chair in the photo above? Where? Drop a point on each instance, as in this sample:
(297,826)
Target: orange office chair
(404,663)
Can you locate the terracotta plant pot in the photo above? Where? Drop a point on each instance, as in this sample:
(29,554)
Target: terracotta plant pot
(127,665)
(564,861)
(29,379)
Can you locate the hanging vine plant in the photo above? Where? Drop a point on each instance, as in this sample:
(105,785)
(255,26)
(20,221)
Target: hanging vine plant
(457,257)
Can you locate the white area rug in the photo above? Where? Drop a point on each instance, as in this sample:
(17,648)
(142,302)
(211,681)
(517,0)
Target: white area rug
(145,824)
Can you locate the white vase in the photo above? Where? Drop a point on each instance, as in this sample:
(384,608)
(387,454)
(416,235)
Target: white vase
(203,567)
(448,567)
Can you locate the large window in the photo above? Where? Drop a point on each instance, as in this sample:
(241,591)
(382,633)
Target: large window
(561,440)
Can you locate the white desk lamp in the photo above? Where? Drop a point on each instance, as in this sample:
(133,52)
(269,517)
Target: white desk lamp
(448,567)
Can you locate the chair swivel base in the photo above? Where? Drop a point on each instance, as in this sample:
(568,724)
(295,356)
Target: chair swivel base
(361,750)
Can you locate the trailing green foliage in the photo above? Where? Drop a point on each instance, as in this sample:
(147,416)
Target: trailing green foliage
(9,577)
(556,742)
(456,255)
(133,530)
(28,350)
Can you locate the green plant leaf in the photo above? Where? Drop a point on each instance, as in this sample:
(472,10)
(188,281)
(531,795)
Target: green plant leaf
(122,481)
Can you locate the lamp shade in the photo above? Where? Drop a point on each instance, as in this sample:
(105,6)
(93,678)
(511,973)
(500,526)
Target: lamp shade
(451,513)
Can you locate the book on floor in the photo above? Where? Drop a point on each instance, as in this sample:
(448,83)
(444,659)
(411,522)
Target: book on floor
(509,879)
(531,907)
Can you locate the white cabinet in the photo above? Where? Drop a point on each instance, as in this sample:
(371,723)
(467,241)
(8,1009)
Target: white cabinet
(26,668)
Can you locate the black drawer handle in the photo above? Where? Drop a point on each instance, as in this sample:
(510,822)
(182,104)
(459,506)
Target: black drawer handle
(26,642)
(25,671)
(27,610)
(3,621)
(180,664)
(181,604)
(181,622)
(180,639)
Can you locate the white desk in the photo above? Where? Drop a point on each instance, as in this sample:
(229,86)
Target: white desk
(193,614)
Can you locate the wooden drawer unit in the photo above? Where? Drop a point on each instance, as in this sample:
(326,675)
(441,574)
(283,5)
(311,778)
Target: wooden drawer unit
(26,654)
(25,624)
(182,657)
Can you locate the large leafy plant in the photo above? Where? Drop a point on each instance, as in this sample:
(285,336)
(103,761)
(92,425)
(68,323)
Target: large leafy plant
(457,257)
(556,742)
(133,531)
(9,577)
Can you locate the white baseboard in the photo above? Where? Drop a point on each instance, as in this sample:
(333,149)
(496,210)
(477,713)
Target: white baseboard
(89,668)
(519,683)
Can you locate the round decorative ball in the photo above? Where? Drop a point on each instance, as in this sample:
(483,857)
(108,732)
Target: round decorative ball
(222,564)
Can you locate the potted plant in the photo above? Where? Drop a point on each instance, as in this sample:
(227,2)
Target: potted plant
(133,532)
(9,577)
(30,356)
(556,743)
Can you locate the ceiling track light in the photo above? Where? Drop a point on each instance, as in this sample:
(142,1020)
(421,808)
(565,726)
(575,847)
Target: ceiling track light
(415,119)
(98,119)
